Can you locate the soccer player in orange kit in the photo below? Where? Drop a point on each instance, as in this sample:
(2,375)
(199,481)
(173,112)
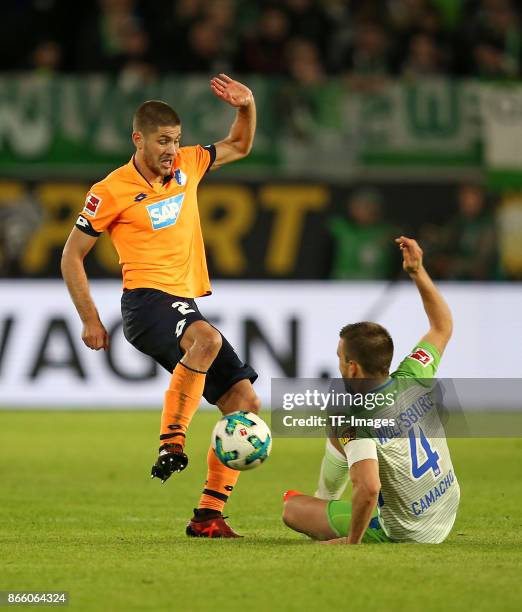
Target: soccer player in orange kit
(149,207)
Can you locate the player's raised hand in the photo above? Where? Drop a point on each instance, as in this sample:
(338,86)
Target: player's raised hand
(411,254)
(95,336)
(233,92)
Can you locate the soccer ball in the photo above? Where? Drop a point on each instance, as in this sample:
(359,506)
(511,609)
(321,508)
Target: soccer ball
(241,440)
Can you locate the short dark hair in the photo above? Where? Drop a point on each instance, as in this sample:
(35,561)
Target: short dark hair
(154,114)
(370,345)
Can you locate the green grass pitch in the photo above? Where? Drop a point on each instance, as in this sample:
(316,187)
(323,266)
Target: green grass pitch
(79,513)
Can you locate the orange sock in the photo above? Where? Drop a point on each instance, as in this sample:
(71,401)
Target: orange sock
(220,482)
(181,402)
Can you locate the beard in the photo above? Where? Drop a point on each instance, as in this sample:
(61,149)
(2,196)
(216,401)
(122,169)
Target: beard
(154,165)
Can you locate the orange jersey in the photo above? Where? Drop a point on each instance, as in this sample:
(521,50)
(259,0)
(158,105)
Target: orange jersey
(155,228)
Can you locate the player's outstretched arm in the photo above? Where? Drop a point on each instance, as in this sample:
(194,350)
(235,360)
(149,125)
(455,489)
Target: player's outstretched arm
(76,248)
(239,141)
(366,485)
(365,492)
(436,308)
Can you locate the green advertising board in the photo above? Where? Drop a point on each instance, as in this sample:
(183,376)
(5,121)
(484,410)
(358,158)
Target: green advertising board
(81,126)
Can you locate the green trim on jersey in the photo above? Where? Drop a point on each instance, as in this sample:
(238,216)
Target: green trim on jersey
(339,514)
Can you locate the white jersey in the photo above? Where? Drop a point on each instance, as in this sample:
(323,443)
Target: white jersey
(419,489)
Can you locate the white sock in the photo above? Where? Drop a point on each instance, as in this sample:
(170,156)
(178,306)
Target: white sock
(334,474)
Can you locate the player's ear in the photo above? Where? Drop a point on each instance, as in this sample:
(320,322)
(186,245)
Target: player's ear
(355,369)
(137,139)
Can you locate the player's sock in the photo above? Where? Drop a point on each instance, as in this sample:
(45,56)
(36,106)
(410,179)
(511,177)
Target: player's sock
(220,482)
(334,474)
(181,402)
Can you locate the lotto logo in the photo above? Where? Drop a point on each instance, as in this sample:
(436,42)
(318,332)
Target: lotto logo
(91,204)
(422,356)
(165,213)
(82,221)
(180,327)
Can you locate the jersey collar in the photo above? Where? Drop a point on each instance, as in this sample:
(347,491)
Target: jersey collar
(134,168)
(383,386)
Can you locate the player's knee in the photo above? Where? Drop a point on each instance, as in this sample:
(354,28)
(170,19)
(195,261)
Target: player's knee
(212,342)
(208,342)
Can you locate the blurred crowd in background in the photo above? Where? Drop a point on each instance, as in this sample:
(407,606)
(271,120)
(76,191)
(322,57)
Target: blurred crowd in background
(306,40)
(463,248)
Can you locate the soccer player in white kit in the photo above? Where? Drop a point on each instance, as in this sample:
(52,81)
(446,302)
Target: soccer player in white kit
(404,487)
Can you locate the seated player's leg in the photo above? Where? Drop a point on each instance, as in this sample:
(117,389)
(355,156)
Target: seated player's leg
(334,474)
(326,520)
(227,368)
(308,515)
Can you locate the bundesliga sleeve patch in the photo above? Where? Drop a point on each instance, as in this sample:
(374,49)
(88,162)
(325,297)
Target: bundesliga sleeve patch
(422,356)
(86,227)
(92,203)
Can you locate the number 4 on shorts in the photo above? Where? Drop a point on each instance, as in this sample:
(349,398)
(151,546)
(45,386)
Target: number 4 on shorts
(432,456)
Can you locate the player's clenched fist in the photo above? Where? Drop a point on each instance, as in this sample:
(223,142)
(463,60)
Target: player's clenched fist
(411,254)
(95,336)
(233,92)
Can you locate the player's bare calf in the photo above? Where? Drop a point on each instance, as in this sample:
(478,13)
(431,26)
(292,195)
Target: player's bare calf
(307,515)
